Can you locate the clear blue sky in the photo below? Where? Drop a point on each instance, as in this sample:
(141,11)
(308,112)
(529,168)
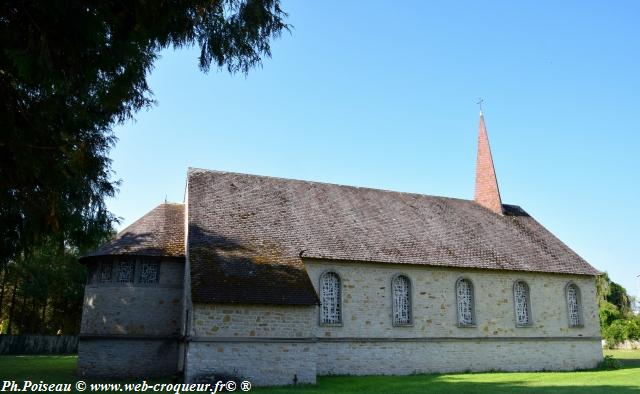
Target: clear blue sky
(382,94)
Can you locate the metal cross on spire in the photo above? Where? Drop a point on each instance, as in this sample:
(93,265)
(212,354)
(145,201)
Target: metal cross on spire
(480,101)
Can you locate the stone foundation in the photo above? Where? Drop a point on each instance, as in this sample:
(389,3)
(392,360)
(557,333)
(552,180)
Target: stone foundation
(266,363)
(410,357)
(262,363)
(127,358)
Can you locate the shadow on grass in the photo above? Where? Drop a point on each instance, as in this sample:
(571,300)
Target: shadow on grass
(442,384)
(630,364)
(54,369)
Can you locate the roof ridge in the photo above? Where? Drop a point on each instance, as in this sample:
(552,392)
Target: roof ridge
(194,170)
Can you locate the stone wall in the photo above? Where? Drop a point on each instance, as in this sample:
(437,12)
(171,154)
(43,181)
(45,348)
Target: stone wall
(626,345)
(262,363)
(276,344)
(366,299)
(132,329)
(132,309)
(368,343)
(408,357)
(266,344)
(126,328)
(266,321)
(127,357)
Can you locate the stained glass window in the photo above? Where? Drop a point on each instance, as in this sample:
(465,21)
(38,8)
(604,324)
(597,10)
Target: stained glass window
(149,272)
(125,271)
(521,300)
(464,293)
(573,304)
(106,269)
(401,300)
(330,308)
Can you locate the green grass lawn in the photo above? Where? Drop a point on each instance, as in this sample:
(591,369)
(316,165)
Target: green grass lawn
(52,369)
(55,369)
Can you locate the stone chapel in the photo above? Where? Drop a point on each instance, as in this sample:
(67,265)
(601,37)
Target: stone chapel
(280,280)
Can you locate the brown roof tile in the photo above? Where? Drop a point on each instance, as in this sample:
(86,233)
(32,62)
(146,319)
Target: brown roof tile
(158,233)
(248,234)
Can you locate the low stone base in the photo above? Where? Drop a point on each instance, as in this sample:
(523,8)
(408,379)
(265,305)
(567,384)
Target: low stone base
(261,363)
(127,358)
(266,363)
(403,358)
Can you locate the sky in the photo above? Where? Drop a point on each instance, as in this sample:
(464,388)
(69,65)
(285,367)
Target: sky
(383,95)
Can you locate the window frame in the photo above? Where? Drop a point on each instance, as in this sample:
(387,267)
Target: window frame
(393,307)
(527,301)
(140,263)
(578,302)
(131,262)
(100,280)
(340,303)
(473,303)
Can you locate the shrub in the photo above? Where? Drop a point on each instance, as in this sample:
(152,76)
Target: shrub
(633,331)
(609,363)
(621,330)
(615,333)
(608,313)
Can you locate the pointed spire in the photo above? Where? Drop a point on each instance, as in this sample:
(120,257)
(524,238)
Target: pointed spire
(487,192)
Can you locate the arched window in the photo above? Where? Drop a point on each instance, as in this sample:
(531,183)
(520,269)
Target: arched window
(522,303)
(330,299)
(401,288)
(573,305)
(465,302)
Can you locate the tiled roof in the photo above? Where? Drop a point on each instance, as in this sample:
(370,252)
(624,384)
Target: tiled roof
(248,235)
(158,233)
